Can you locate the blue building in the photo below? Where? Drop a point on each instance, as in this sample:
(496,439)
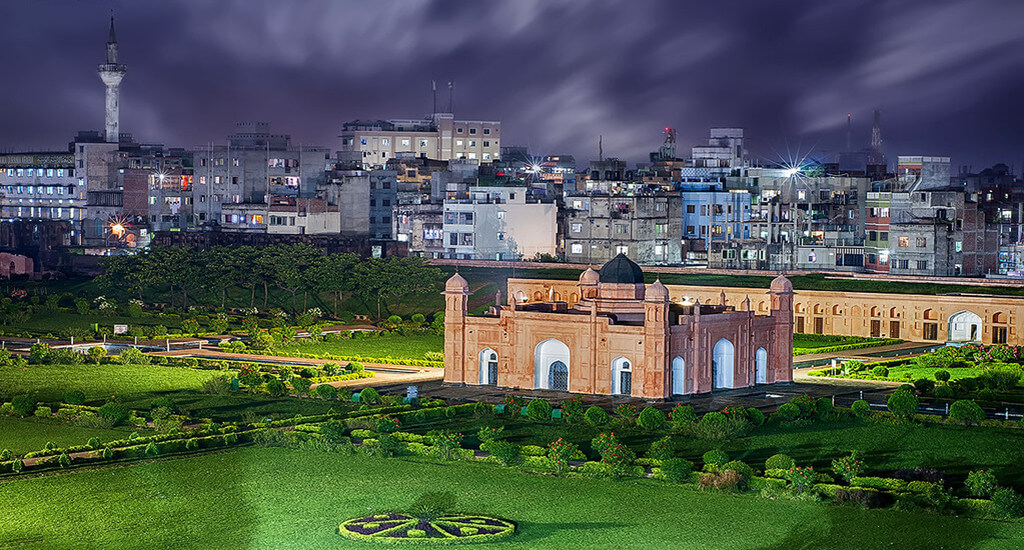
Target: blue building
(710,210)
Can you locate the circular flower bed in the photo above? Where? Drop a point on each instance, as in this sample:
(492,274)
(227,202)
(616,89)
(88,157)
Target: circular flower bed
(447,529)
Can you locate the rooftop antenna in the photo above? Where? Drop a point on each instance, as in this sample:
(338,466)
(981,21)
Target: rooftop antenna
(849,133)
(451,97)
(600,148)
(433,89)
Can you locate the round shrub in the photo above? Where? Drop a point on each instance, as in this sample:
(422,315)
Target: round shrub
(334,431)
(823,406)
(93,443)
(6,454)
(944,392)
(74,397)
(276,388)
(24,404)
(676,470)
(755,416)
(715,458)
(988,395)
(538,410)
(788,411)
(152,450)
(880,372)
(651,419)
(902,403)
(115,413)
(596,416)
(369,396)
(326,391)
(191,445)
(108,453)
(942,375)
(661,449)
(740,467)
(966,412)
(861,408)
(924,386)
(682,414)
(779,462)
(64,460)
(1007,503)
(17,466)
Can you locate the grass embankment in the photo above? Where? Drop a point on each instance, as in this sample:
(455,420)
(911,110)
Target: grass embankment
(259,498)
(22,435)
(410,347)
(139,385)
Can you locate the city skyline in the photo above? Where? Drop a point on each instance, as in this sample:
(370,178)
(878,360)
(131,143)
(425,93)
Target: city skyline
(559,74)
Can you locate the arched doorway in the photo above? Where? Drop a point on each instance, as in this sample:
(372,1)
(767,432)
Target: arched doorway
(551,365)
(622,376)
(678,376)
(722,366)
(964,327)
(761,366)
(488,367)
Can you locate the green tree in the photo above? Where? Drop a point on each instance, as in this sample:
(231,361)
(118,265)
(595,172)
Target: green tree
(902,403)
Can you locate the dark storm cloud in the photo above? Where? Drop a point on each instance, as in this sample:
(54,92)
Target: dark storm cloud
(558,73)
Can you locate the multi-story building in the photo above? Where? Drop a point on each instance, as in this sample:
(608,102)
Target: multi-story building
(499,223)
(253,166)
(645,227)
(42,186)
(365,199)
(940,232)
(438,136)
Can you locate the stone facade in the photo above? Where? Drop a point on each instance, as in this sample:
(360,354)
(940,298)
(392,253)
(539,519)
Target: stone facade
(620,337)
(915,317)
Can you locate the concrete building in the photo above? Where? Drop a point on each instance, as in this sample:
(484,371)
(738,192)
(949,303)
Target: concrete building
(365,199)
(42,186)
(940,232)
(438,136)
(645,227)
(619,337)
(499,223)
(254,165)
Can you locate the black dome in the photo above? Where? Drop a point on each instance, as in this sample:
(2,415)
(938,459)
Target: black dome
(621,269)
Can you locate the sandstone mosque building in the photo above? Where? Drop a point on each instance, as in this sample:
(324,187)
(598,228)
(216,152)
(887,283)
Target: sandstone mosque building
(620,338)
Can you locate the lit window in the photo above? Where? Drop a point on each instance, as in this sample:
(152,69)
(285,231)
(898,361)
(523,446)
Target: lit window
(576,248)
(458,143)
(577,227)
(904,242)
(405,143)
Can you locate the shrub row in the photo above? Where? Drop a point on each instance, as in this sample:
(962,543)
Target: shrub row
(340,377)
(845,347)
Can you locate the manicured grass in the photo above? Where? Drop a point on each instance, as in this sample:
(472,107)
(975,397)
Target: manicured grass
(808,341)
(276,498)
(22,435)
(929,373)
(99,382)
(409,347)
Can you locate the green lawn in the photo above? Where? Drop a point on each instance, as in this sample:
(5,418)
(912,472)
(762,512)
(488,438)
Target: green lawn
(809,341)
(22,435)
(99,382)
(276,498)
(409,347)
(929,372)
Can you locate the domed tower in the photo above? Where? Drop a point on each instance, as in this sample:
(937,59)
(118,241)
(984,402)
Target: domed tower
(111,74)
(456,305)
(621,279)
(588,284)
(781,292)
(655,367)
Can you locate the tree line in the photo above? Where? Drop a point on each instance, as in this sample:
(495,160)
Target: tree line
(205,277)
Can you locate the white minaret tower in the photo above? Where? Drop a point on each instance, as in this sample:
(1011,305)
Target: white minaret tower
(111,73)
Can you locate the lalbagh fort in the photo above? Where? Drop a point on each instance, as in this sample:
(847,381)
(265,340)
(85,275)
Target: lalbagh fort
(618,337)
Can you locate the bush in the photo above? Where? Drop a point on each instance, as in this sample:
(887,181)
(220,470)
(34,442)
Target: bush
(823,406)
(506,452)
(132,356)
(801,478)
(487,433)
(902,403)
(981,483)
(716,426)
(651,419)
(73,397)
(740,467)
(924,386)
(301,385)
(43,412)
(538,410)
(1007,503)
(217,385)
(595,416)
(64,460)
(779,462)
(433,504)
(880,372)
(114,413)
(326,391)
(755,416)
(944,392)
(714,458)
(676,470)
(942,375)
(966,412)
(24,404)
(861,408)
(276,388)
(355,366)
(787,412)
(848,467)
(369,396)
(152,450)
(725,480)
(682,414)
(661,449)
(866,498)
(999,379)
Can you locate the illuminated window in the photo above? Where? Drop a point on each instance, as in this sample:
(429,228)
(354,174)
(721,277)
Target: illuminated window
(576,248)
(472,143)
(904,242)
(958,246)
(922,242)
(405,143)
(458,143)
(577,227)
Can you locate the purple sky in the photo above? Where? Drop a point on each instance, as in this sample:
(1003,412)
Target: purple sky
(947,75)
